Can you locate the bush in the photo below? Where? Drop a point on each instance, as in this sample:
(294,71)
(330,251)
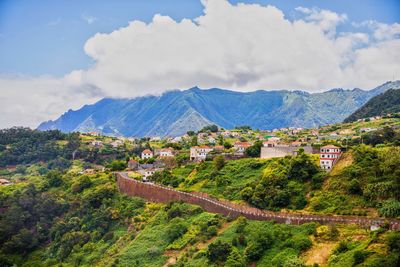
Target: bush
(390,208)
(355,187)
(176,229)
(219,162)
(359,256)
(117,165)
(235,259)
(393,241)
(81,184)
(253,251)
(22,242)
(218,251)
(53,179)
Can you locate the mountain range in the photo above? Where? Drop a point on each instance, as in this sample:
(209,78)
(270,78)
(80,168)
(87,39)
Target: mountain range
(382,104)
(176,112)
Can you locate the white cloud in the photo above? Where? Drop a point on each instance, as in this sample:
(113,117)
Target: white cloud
(27,101)
(242,47)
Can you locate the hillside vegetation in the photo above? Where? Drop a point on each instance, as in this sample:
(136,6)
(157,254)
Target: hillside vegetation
(176,112)
(64,209)
(385,103)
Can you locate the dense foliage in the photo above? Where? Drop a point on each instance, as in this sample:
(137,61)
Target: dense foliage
(23,145)
(68,211)
(371,181)
(385,103)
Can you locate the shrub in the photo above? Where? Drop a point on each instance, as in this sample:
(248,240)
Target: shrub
(359,256)
(218,251)
(235,259)
(253,251)
(219,162)
(390,208)
(355,187)
(176,229)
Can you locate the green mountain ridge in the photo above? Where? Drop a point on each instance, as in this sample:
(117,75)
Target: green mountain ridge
(385,103)
(175,112)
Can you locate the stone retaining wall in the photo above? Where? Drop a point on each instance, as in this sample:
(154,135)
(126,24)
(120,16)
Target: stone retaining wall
(158,193)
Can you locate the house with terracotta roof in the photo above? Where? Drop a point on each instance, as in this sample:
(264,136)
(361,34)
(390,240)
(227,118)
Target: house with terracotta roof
(240,147)
(165,152)
(147,153)
(329,155)
(199,153)
(296,143)
(219,148)
(271,142)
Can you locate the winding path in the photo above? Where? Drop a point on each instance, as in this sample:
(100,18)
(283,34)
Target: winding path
(159,193)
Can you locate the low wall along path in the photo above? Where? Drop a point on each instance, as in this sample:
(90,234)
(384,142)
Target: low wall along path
(157,193)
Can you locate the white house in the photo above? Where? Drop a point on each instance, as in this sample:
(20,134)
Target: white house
(329,155)
(166,152)
(149,172)
(199,152)
(96,143)
(147,153)
(240,147)
(211,140)
(116,143)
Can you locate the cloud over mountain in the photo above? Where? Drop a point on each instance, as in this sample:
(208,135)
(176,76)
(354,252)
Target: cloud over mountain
(243,47)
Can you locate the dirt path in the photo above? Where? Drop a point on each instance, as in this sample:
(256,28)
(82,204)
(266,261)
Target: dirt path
(319,253)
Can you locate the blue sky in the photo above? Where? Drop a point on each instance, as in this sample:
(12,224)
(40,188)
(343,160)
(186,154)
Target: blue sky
(57,55)
(40,37)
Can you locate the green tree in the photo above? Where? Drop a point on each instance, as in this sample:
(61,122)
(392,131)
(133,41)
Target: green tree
(218,251)
(254,150)
(235,259)
(219,162)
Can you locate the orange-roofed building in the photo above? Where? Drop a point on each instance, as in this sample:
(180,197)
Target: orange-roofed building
(147,153)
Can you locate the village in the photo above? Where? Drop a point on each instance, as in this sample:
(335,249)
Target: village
(154,154)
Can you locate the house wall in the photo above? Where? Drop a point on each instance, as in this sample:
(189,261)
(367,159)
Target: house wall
(282,151)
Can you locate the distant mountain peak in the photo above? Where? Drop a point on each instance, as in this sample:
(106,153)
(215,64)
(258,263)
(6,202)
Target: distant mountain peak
(175,112)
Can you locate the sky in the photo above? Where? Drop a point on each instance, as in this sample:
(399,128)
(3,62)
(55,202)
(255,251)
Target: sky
(57,55)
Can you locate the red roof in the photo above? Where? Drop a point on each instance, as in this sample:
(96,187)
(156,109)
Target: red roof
(170,149)
(330,146)
(204,147)
(242,144)
(147,151)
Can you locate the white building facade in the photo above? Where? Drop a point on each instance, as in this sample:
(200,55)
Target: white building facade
(328,156)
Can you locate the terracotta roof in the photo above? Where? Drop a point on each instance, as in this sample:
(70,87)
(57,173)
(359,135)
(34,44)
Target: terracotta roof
(169,149)
(132,161)
(242,144)
(330,146)
(147,151)
(204,147)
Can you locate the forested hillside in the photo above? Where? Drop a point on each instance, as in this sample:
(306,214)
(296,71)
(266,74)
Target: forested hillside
(383,104)
(176,112)
(64,208)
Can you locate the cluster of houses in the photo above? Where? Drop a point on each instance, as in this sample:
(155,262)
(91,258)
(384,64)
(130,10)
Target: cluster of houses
(273,148)
(147,169)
